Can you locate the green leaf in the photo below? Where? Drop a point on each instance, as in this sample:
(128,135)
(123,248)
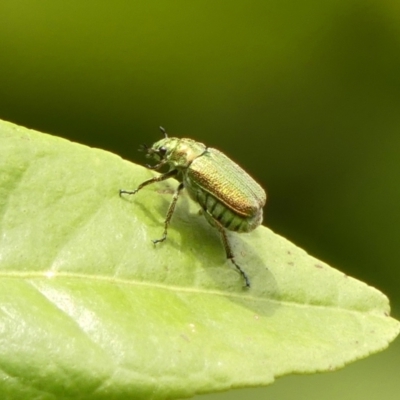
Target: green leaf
(90,309)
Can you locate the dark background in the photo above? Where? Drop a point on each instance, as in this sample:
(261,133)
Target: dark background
(304,94)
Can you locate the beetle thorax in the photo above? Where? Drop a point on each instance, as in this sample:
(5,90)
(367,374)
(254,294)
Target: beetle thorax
(184,151)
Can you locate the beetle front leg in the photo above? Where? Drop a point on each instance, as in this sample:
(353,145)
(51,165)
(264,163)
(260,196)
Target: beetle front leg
(228,248)
(158,178)
(170,211)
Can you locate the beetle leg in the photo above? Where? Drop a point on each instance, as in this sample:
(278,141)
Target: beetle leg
(170,211)
(228,249)
(158,178)
(157,166)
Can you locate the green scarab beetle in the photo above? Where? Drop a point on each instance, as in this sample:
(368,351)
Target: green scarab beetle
(229,197)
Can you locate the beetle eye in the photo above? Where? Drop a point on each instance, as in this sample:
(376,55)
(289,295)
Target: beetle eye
(162,150)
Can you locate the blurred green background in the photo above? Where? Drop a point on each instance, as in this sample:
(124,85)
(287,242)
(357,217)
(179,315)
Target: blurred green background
(304,94)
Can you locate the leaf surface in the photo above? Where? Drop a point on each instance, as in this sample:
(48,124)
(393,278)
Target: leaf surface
(90,309)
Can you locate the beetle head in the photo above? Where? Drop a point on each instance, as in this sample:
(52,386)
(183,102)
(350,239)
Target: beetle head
(162,149)
(177,152)
(159,151)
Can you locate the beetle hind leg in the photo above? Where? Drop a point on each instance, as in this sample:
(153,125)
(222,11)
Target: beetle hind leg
(227,246)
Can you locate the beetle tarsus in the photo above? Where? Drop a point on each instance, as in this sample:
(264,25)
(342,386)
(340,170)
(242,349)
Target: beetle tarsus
(164,236)
(122,191)
(244,275)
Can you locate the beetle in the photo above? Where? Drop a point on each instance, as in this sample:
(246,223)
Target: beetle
(229,197)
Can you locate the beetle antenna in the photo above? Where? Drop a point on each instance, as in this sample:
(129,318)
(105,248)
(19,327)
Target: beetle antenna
(164,131)
(143,147)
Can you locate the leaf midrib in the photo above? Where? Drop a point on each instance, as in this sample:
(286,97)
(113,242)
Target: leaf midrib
(50,275)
